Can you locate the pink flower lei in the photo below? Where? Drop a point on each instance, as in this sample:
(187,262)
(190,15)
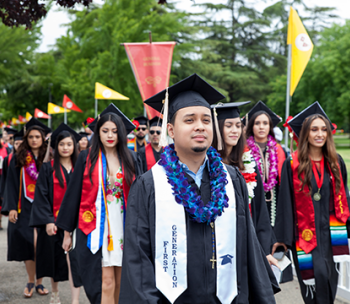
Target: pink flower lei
(273,161)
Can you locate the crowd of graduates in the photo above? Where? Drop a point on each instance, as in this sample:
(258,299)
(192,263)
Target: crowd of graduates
(201,205)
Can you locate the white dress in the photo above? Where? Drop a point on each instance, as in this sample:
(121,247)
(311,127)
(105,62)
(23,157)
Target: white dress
(115,206)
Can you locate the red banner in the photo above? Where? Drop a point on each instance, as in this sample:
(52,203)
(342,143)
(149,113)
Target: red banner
(151,64)
(40,114)
(68,104)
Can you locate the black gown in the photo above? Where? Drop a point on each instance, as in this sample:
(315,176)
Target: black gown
(50,257)
(138,274)
(142,153)
(20,235)
(326,276)
(88,265)
(3,176)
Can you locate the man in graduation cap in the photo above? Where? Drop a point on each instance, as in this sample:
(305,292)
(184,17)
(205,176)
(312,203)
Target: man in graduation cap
(151,153)
(8,138)
(141,131)
(189,237)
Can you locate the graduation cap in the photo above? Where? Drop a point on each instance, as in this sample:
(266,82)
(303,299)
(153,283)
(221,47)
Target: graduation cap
(260,106)
(192,91)
(142,120)
(17,136)
(63,127)
(33,122)
(224,111)
(10,131)
(83,134)
(155,122)
(129,126)
(297,121)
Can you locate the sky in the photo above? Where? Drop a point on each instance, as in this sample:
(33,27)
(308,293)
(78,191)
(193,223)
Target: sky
(53,24)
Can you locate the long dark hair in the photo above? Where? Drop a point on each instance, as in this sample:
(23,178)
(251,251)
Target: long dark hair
(249,132)
(235,157)
(56,158)
(328,150)
(122,149)
(24,147)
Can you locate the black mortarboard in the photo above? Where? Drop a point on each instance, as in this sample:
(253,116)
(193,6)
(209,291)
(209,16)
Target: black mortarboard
(34,122)
(142,120)
(83,134)
(63,127)
(228,110)
(155,122)
(10,130)
(260,106)
(189,92)
(297,121)
(129,126)
(18,136)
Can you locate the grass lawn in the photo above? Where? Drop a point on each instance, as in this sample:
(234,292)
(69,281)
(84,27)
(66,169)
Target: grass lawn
(345,154)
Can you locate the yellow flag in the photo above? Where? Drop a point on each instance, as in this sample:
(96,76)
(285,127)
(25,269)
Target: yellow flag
(103,92)
(15,121)
(28,116)
(55,109)
(301,48)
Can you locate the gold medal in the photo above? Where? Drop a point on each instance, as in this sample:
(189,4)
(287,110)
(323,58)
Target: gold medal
(317,196)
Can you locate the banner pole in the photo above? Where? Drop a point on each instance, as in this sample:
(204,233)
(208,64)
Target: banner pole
(49,121)
(96,106)
(65,116)
(288,97)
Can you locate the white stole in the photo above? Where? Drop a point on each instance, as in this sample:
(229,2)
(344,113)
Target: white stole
(171,242)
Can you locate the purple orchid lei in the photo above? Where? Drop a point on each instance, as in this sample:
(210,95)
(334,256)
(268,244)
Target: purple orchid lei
(273,161)
(186,195)
(31,167)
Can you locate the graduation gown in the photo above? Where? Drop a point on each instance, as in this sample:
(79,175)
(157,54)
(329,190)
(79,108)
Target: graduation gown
(89,266)
(50,256)
(20,235)
(326,276)
(142,153)
(138,275)
(3,176)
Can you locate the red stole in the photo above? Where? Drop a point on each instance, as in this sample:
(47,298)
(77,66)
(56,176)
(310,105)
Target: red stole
(87,211)
(9,159)
(305,208)
(58,191)
(281,157)
(29,188)
(150,159)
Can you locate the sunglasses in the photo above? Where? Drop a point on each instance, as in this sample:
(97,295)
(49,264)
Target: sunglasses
(141,129)
(152,132)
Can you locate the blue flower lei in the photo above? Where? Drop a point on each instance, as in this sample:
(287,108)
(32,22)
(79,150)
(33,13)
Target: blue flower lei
(186,195)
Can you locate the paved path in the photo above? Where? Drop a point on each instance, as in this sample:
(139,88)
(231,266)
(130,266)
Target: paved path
(13,279)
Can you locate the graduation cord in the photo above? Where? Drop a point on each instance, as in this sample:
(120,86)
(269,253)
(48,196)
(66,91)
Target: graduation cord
(213,260)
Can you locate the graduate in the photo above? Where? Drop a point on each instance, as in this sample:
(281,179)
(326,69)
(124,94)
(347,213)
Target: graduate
(139,141)
(21,180)
(230,143)
(83,143)
(151,153)
(189,237)
(50,188)
(95,204)
(3,154)
(9,138)
(313,207)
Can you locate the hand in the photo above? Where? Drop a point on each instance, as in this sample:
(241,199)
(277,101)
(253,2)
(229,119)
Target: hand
(276,245)
(13,216)
(67,242)
(272,260)
(51,229)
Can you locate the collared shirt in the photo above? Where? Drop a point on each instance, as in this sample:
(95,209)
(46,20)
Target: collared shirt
(197,177)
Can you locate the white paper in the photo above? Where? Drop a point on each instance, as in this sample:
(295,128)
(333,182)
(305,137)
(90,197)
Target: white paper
(277,272)
(284,263)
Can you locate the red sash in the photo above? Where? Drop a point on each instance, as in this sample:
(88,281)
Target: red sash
(9,159)
(58,192)
(281,157)
(150,159)
(305,208)
(29,188)
(87,212)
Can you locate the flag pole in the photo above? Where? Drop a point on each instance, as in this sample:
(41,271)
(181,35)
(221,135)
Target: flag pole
(49,121)
(288,97)
(65,115)
(96,107)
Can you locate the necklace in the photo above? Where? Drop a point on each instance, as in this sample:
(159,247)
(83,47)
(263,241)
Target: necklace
(186,195)
(319,180)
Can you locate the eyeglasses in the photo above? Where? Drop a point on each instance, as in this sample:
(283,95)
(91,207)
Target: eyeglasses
(152,132)
(141,129)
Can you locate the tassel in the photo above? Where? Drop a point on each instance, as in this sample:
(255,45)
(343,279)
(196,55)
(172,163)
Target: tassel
(110,243)
(47,154)
(218,134)
(163,137)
